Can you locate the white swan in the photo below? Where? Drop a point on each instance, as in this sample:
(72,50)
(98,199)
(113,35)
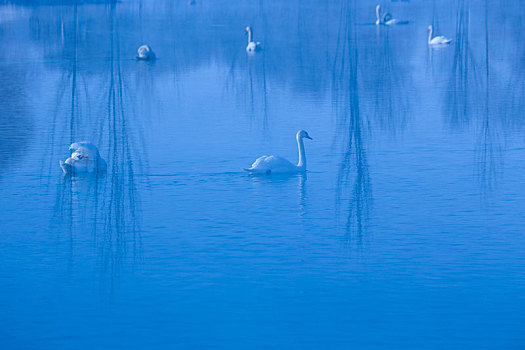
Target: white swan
(385,19)
(145,53)
(438,40)
(277,165)
(85,159)
(252,46)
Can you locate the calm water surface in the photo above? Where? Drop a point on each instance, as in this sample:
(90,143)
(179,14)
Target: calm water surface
(406,232)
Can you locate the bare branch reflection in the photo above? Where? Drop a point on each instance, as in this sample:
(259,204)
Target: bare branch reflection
(463,88)
(106,206)
(353,195)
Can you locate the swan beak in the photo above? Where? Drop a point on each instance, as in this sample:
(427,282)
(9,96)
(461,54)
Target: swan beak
(308,137)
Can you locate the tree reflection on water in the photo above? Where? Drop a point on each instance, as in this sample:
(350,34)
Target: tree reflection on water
(106,206)
(353,195)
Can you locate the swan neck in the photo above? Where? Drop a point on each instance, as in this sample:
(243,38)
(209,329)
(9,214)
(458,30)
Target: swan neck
(249,35)
(377,15)
(430,34)
(302,156)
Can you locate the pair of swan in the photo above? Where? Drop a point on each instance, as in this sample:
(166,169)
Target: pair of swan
(85,159)
(145,53)
(252,46)
(385,18)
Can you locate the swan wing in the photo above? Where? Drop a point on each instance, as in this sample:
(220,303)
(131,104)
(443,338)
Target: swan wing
(266,164)
(386,17)
(251,46)
(391,22)
(440,40)
(145,52)
(86,148)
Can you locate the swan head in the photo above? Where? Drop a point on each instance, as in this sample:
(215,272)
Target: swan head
(429,28)
(301,134)
(247,30)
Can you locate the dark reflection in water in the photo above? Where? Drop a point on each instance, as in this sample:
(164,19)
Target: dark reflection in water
(475,98)
(72,105)
(515,84)
(101,213)
(488,150)
(108,205)
(221,251)
(248,82)
(353,195)
(464,94)
(384,78)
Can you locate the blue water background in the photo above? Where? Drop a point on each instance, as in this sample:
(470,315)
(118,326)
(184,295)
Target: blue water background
(406,232)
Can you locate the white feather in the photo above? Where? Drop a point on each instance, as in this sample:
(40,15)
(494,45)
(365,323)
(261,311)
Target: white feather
(279,165)
(85,158)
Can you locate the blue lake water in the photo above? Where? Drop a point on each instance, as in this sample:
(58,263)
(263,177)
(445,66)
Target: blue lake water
(407,231)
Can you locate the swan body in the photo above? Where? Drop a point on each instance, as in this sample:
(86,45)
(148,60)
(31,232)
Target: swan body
(438,40)
(145,53)
(273,164)
(252,46)
(278,165)
(385,19)
(84,159)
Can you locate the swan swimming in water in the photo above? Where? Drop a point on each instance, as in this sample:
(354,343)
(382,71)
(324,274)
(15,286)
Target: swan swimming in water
(145,53)
(438,40)
(385,19)
(85,159)
(278,165)
(252,46)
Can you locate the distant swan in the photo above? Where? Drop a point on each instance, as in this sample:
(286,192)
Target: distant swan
(145,53)
(252,46)
(273,164)
(85,159)
(385,19)
(438,40)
